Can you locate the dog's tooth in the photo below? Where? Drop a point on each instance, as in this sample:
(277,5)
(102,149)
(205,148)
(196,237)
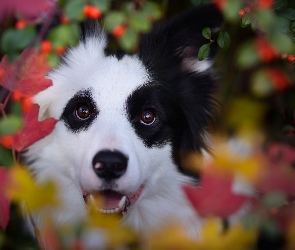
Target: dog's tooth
(122,202)
(117,210)
(92,199)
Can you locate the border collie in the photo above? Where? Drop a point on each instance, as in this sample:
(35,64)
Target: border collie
(125,122)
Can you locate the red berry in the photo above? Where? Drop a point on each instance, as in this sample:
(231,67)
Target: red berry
(20,24)
(17,95)
(46,47)
(242,13)
(279,80)
(265,50)
(92,12)
(284,56)
(7,141)
(291,58)
(60,50)
(264,4)
(119,31)
(64,19)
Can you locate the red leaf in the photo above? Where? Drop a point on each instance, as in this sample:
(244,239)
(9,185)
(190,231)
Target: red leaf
(29,77)
(30,9)
(215,196)
(4,201)
(32,131)
(279,174)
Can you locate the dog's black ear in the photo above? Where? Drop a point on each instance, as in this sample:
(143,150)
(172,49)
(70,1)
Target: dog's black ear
(176,43)
(170,54)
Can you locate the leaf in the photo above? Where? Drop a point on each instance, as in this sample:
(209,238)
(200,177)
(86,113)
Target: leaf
(6,158)
(22,187)
(64,35)
(103,5)
(129,40)
(280,4)
(113,19)
(30,78)
(282,42)
(215,196)
(247,19)
(204,51)
(4,200)
(274,199)
(139,22)
(10,124)
(247,55)
(32,131)
(223,40)
(31,10)
(288,13)
(152,10)
(206,32)
(73,9)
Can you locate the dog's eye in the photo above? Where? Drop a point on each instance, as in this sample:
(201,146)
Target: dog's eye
(148,117)
(83,111)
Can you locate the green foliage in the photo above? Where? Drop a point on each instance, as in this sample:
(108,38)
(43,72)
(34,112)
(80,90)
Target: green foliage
(206,32)
(223,40)
(204,51)
(10,124)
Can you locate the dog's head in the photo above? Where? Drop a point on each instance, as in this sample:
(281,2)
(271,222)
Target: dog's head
(122,119)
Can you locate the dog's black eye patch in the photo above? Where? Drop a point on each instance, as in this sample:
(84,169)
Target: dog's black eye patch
(80,111)
(148,116)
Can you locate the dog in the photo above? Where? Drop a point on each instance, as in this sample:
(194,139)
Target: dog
(125,122)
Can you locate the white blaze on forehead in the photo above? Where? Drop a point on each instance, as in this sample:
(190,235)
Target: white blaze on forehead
(87,67)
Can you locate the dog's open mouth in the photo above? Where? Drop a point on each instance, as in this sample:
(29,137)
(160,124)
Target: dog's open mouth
(110,201)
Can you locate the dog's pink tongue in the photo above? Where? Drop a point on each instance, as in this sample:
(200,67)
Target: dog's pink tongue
(111,199)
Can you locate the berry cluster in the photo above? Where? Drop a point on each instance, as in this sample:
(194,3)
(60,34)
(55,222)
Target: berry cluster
(289,57)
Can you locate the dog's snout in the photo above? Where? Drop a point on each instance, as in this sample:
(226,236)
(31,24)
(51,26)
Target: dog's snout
(109,164)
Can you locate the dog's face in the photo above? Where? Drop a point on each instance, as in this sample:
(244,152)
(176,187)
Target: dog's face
(122,120)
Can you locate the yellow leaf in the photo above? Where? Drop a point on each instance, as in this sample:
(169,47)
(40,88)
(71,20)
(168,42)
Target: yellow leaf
(22,187)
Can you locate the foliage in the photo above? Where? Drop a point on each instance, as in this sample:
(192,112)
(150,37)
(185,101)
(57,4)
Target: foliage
(254,142)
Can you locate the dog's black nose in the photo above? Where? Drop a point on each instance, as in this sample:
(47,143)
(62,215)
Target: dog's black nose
(109,164)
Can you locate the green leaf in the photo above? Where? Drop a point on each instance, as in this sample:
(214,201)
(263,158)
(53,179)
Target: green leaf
(64,35)
(10,124)
(74,9)
(282,42)
(139,22)
(280,5)
(206,32)
(292,27)
(113,19)
(231,12)
(25,36)
(274,199)
(6,158)
(129,40)
(261,85)
(247,19)
(53,59)
(204,51)
(288,13)
(247,55)
(152,10)
(103,5)
(223,40)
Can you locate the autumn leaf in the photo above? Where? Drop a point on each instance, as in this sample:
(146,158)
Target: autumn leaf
(31,9)
(279,174)
(4,200)
(215,196)
(32,131)
(22,187)
(29,78)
